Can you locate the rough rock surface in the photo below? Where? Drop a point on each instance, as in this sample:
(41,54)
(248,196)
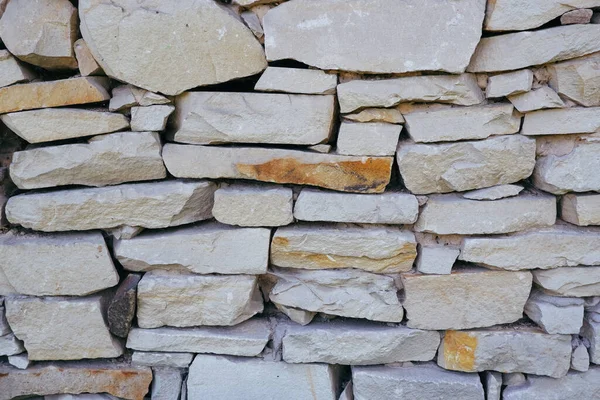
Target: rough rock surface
(389,115)
(574,385)
(580,209)
(161,359)
(121,309)
(555,314)
(127,96)
(85,60)
(12,71)
(509,83)
(493,385)
(494,192)
(577,79)
(536,99)
(150,118)
(465,299)
(368,139)
(436,259)
(323,246)
(169,32)
(569,281)
(166,383)
(560,122)
(296,80)
(591,332)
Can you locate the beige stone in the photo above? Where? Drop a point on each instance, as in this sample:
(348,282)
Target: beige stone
(536,99)
(494,192)
(169,33)
(159,358)
(12,71)
(523,49)
(389,115)
(342,173)
(509,83)
(126,96)
(436,259)
(555,314)
(580,16)
(578,79)
(569,281)
(41,32)
(295,80)
(59,93)
(561,122)
(368,139)
(104,160)
(150,118)
(363,35)
(51,124)
(442,168)
(582,210)
(149,205)
(85,60)
(454,89)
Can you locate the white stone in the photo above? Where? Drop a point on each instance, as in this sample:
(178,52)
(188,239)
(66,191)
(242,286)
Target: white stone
(506,350)
(248,338)
(149,205)
(425,381)
(12,71)
(10,345)
(465,299)
(389,115)
(462,123)
(436,259)
(509,83)
(20,361)
(454,89)
(166,383)
(513,379)
(580,209)
(555,314)
(561,122)
(64,264)
(225,117)
(493,385)
(357,343)
(169,33)
(150,118)
(159,359)
(295,80)
(218,377)
(536,99)
(347,293)
(448,167)
(181,299)
(523,49)
(578,79)
(201,249)
(324,246)
(105,160)
(385,208)
(359,35)
(50,124)
(85,60)
(591,332)
(580,358)
(452,214)
(253,205)
(62,328)
(574,385)
(368,139)
(569,281)
(494,192)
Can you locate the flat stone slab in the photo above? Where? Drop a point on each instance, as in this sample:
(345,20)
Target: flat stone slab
(494,192)
(576,385)
(540,98)
(296,80)
(368,139)
(580,209)
(389,115)
(555,314)
(509,83)
(13,71)
(577,79)
(569,281)
(161,359)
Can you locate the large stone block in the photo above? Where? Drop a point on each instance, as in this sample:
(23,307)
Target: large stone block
(575,385)
(12,71)
(555,314)
(578,79)
(580,209)
(536,99)
(561,122)
(569,281)
(368,139)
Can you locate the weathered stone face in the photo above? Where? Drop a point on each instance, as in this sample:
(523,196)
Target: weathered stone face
(569,281)
(581,210)
(121,309)
(555,314)
(12,71)
(494,192)
(224,48)
(536,99)
(436,259)
(161,359)
(579,385)
(389,115)
(509,83)
(577,79)
(296,80)
(85,60)
(150,118)
(368,139)
(560,122)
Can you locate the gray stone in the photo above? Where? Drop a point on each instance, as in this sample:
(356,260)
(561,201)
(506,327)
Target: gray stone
(121,309)
(569,281)
(555,314)
(580,209)
(580,358)
(150,118)
(127,96)
(161,359)
(580,16)
(4,327)
(493,385)
(509,83)
(575,385)
(20,361)
(295,80)
(85,60)
(536,99)
(166,383)
(253,22)
(578,79)
(436,259)
(561,122)
(10,345)
(494,192)
(368,139)
(513,379)
(12,71)
(591,332)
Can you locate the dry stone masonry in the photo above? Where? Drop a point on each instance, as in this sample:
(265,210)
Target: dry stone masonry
(300,199)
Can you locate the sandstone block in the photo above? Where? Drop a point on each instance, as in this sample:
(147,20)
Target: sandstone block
(494,192)
(465,299)
(506,350)
(169,32)
(582,209)
(368,139)
(253,205)
(574,385)
(577,79)
(295,80)
(166,383)
(509,83)
(297,315)
(536,99)
(322,246)
(436,259)
(85,60)
(121,309)
(161,359)
(225,117)
(343,173)
(104,160)
(385,208)
(580,16)
(201,249)
(389,115)
(561,122)
(127,96)
(180,299)
(150,118)
(149,205)
(50,124)
(441,168)
(12,71)
(569,281)
(62,328)
(452,214)
(555,314)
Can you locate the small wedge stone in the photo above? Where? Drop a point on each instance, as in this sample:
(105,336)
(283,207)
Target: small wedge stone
(150,118)
(569,281)
(555,314)
(493,385)
(121,309)
(581,16)
(294,80)
(509,83)
(436,259)
(581,209)
(10,345)
(12,71)
(20,361)
(161,359)
(389,115)
(574,385)
(494,192)
(85,60)
(580,359)
(562,122)
(536,99)
(127,96)
(368,139)
(591,332)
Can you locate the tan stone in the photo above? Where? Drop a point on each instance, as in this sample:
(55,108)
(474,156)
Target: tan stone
(509,83)
(295,80)
(569,281)
(494,192)
(150,118)
(53,94)
(343,173)
(578,79)
(582,210)
(562,122)
(580,16)
(389,115)
(85,60)
(12,71)
(127,96)
(536,99)
(368,139)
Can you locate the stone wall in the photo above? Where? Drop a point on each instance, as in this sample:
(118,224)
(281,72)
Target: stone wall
(311,199)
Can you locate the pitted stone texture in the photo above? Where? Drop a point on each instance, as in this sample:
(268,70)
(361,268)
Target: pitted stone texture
(591,332)
(575,385)
(295,80)
(436,259)
(104,160)
(569,281)
(41,32)
(581,209)
(181,299)
(248,338)
(465,299)
(559,246)
(578,79)
(76,377)
(201,249)
(62,328)
(253,205)
(85,60)
(347,293)
(324,246)
(368,139)
(454,89)
(149,205)
(462,123)
(385,208)
(414,382)
(211,377)
(50,124)
(452,214)
(561,122)
(536,99)
(523,49)
(121,309)
(331,171)
(506,350)
(65,264)
(442,168)
(150,118)
(389,115)
(555,314)
(65,92)
(161,359)
(509,83)
(494,192)
(12,71)
(224,117)
(170,32)
(357,343)
(332,35)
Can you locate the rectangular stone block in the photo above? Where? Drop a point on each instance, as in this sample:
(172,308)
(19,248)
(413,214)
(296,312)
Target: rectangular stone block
(509,83)
(582,209)
(562,121)
(553,314)
(536,99)
(569,281)
(575,385)
(12,70)
(368,139)
(577,79)
(161,359)
(296,80)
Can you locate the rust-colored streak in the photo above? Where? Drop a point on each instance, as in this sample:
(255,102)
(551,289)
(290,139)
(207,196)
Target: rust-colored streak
(370,175)
(459,351)
(281,241)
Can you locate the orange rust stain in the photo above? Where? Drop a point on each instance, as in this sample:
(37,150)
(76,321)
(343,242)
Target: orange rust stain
(370,176)
(459,350)
(281,241)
